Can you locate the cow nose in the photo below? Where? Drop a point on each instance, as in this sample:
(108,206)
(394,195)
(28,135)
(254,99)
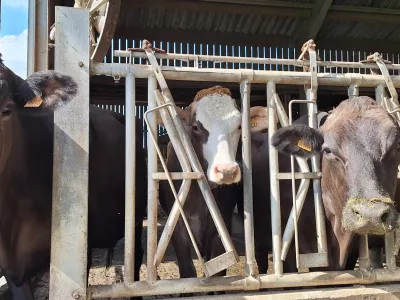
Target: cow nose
(227,173)
(372,216)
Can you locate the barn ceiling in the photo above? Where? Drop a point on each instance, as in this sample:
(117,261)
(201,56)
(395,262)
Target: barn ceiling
(334,24)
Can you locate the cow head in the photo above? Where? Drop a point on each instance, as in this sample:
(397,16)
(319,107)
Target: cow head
(360,147)
(50,89)
(213,122)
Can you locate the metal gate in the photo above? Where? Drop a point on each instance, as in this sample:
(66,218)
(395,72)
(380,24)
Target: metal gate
(68,271)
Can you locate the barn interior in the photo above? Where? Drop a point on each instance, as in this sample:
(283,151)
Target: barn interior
(344,30)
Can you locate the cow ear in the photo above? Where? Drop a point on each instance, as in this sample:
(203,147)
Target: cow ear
(182,113)
(48,89)
(298,139)
(258,118)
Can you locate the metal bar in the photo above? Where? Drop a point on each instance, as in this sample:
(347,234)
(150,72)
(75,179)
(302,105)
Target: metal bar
(177,175)
(390,251)
(231,75)
(194,161)
(382,292)
(275,195)
(38,46)
(364,261)
(251,264)
(239,283)
(68,274)
(353,91)
(297,175)
(255,60)
(295,215)
(311,94)
(176,196)
(152,185)
(130,180)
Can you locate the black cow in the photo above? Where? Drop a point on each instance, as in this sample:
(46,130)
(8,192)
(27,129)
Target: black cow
(26,167)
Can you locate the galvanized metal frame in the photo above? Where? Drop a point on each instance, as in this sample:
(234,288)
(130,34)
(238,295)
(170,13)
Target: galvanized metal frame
(68,266)
(252,281)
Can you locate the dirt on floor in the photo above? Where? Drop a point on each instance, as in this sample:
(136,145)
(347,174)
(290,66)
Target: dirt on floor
(168,269)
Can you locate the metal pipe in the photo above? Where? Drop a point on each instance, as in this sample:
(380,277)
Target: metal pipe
(254,60)
(364,261)
(251,264)
(390,251)
(130,180)
(152,185)
(256,76)
(273,171)
(239,283)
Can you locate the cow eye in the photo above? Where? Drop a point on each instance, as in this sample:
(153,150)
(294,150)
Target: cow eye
(326,150)
(195,127)
(240,127)
(6,112)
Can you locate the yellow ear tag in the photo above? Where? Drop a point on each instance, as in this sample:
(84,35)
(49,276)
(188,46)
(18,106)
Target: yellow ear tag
(35,102)
(253,122)
(301,145)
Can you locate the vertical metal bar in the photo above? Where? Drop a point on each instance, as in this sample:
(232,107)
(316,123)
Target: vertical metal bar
(364,261)
(130,163)
(353,91)
(389,251)
(68,275)
(379,94)
(152,185)
(251,264)
(38,59)
(311,94)
(274,170)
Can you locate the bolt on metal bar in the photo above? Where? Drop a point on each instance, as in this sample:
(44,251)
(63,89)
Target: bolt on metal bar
(251,264)
(274,182)
(179,204)
(152,185)
(253,60)
(130,180)
(210,267)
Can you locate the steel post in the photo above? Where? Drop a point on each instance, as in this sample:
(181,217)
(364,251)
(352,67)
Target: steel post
(275,194)
(38,33)
(152,185)
(364,261)
(68,274)
(130,180)
(251,264)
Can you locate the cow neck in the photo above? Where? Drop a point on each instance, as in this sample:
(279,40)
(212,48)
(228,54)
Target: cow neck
(13,171)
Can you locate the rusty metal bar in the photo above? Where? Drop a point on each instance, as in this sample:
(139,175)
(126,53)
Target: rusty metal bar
(256,76)
(254,60)
(240,283)
(68,273)
(251,264)
(152,185)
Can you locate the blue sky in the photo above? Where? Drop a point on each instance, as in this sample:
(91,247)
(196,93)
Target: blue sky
(13,35)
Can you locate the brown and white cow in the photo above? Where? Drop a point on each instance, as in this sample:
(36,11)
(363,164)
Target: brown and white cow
(213,123)
(359,145)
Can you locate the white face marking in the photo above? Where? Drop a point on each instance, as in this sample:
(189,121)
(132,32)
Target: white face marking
(220,117)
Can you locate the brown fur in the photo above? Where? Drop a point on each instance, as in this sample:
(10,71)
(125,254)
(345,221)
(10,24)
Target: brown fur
(211,91)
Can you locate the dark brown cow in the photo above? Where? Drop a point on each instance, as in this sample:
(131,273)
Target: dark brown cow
(213,123)
(26,166)
(359,146)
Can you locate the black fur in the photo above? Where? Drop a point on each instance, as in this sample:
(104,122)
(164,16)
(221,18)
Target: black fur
(55,88)
(285,140)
